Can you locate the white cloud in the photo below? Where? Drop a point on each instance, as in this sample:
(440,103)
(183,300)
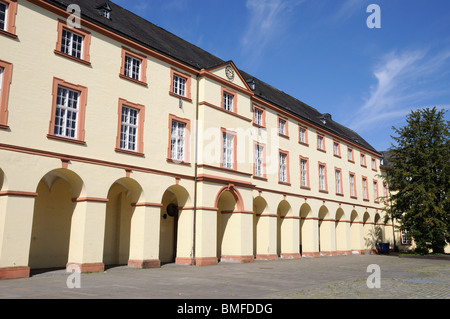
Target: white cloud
(267,20)
(405,81)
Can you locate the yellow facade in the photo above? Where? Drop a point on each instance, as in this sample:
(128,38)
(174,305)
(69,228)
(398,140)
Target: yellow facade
(85,201)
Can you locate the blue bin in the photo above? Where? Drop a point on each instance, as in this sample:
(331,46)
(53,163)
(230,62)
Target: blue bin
(384,248)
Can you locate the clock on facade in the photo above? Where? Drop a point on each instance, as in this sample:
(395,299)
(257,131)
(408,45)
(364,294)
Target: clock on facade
(229,72)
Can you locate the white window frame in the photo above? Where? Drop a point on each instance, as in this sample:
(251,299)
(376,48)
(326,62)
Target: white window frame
(259,154)
(177,141)
(322,184)
(302,135)
(282,126)
(283,167)
(303,172)
(405,238)
(320,142)
(228,150)
(64,125)
(179,85)
(68,40)
(228,101)
(365,193)
(258,117)
(129,128)
(5,22)
(129,70)
(352,185)
(338,178)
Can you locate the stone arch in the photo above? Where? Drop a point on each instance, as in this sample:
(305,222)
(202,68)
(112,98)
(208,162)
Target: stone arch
(356,233)
(283,232)
(3,183)
(325,232)
(228,202)
(306,230)
(55,205)
(122,196)
(261,227)
(175,224)
(341,232)
(378,227)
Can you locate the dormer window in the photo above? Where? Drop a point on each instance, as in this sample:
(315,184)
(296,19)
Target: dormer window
(105,11)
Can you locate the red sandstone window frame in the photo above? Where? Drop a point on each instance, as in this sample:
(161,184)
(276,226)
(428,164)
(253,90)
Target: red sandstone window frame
(233,94)
(263,161)
(140,131)
(321,146)
(187,140)
(4,93)
(288,178)
(11,12)
(324,165)
(308,185)
(374,164)
(234,157)
(336,149)
(285,132)
(339,188)
(187,89)
(263,116)
(351,152)
(81,111)
(142,69)
(86,35)
(376,194)
(352,187)
(305,142)
(363,159)
(365,183)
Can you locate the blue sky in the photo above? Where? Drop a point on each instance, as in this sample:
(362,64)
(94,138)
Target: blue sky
(323,53)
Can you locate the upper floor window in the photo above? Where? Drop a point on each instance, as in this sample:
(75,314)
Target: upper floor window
(259,160)
(228,101)
(363,160)
(304,172)
(320,142)
(179,150)
(284,167)
(352,185)
(283,126)
(323,177)
(228,150)
(365,190)
(133,66)
(350,156)
(3,15)
(258,116)
(375,191)
(5,80)
(8,10)
(129,129)
(303,135)
(338,176)
(68,111)
(73,43)
(180,85)
(130,136)
(374,164)
(336,149)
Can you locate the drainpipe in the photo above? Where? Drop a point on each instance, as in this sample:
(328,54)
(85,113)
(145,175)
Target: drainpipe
(195,172)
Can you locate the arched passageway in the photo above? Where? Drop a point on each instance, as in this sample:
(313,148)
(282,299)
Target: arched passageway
(54,208)
(118,221)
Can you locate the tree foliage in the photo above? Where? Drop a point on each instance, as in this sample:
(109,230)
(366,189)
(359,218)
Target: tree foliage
(419,178)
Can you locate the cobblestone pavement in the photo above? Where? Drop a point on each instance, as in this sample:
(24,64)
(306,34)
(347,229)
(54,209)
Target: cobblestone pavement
(305,278)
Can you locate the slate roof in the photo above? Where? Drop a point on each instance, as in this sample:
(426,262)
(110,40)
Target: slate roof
(137,29)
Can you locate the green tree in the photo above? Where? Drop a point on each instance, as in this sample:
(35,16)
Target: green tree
(419,178)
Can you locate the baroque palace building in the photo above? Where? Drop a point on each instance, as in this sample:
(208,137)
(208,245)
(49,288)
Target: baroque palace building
(121,143)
